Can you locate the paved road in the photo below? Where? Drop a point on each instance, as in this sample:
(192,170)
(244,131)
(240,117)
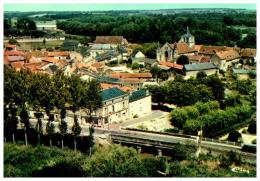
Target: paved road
(147,117)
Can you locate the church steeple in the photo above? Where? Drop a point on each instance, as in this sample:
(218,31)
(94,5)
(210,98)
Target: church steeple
(188,31)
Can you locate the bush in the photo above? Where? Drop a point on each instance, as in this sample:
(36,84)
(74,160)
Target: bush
(135,66)
(254,141)
(244,131)
(135,116)
(172,130)
(234,136)
(252,128)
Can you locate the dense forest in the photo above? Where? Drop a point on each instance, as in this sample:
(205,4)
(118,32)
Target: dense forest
(208,28)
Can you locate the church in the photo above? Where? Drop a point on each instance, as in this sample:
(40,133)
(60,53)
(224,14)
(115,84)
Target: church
(170,52)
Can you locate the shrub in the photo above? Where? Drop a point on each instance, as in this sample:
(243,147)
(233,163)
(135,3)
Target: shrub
(135,116)
(252,128)
(172,130)
(244,131)
(234,136)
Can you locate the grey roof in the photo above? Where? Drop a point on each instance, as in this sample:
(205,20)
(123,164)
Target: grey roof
(199,66)
(112,93)
(69,45)
(15,58)
(136,95)
(101,47)
(242,71)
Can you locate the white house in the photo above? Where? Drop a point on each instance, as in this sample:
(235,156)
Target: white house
(140,103)
(115,106)
(225,59)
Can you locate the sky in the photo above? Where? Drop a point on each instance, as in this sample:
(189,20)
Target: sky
(104,7)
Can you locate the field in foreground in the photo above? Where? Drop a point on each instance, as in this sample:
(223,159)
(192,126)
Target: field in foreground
(115,161)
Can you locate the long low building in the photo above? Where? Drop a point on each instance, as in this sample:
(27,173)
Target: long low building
(191,70)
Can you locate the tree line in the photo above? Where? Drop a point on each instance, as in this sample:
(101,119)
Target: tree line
(23,27)
(114,161)
(25,91)
(208,30)
(187,92)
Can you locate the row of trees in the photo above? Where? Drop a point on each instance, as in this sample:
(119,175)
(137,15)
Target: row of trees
(208,117)
(25,91)
(113,161)
(187,92)
(23,27)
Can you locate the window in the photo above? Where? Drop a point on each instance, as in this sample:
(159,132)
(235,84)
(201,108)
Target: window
(113,108)
(123,104)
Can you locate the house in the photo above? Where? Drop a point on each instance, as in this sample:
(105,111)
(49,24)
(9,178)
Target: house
(248,55)
(70,45)
(243,73)
(198,59)
(188,38)
(114,108)
(58,55)
(225,59)
(114,41)
(170,66)
(140,103)
(97,49)
(145,76)
(46,25)
(191,70)
(139,54)
(9,47)
(14,56)
(170,52)
(209,51)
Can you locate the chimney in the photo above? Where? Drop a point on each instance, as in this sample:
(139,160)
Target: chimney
(147,92)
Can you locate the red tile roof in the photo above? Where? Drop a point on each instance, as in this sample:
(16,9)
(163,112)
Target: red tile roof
(171,64)
(182,48)
(17,65)
(10,46)
(205,59)
(98,65)
(35,66)
(130,80)
(131,75)
(108,86)
(228,55)
(199,58)
(108,40)
(53,54)
(50,60)
(211,50)
(248,52)
(14,53)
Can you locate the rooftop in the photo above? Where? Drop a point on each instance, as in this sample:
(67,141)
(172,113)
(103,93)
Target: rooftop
(199,66)
(109,39)
(228,55)
(136,95)
(131,75)
(242,71)
(112,93)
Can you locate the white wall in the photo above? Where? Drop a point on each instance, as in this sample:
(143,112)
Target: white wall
(194,73)
(140,107)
